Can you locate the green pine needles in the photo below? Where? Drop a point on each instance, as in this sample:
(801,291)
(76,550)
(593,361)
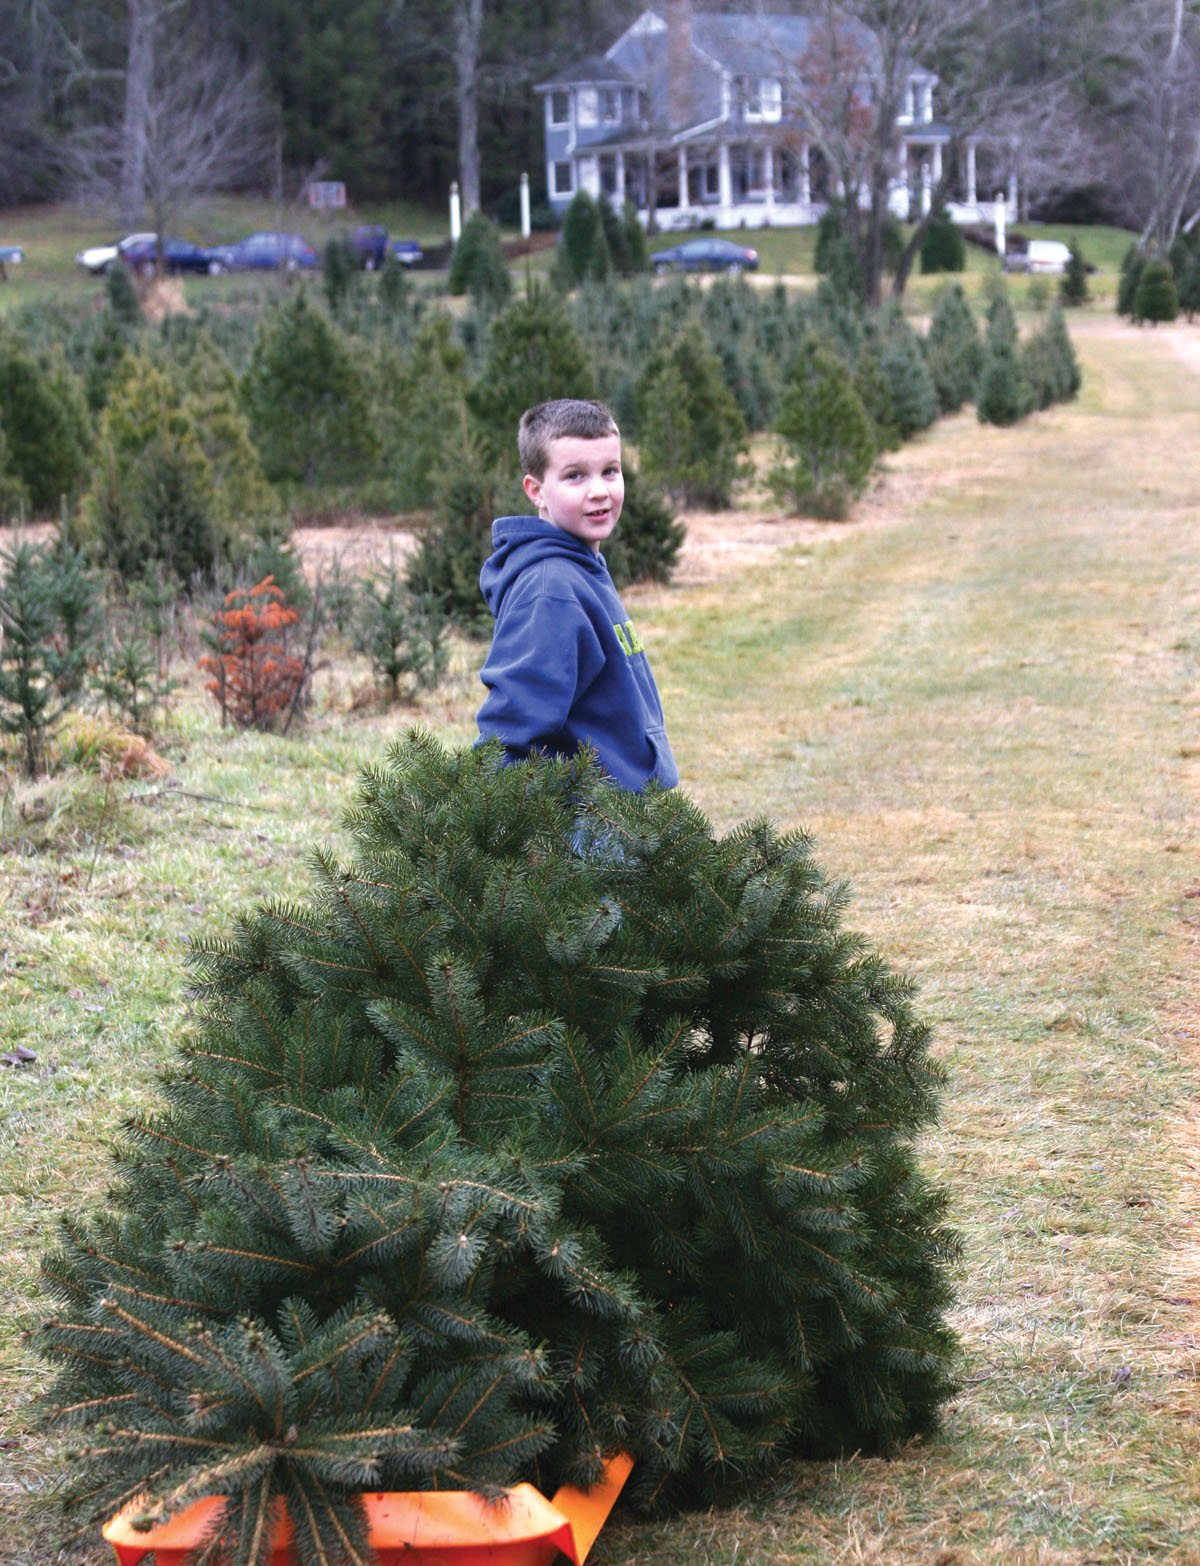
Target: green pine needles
(550,1125)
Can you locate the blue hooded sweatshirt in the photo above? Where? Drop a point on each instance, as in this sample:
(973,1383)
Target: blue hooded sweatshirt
(566,667)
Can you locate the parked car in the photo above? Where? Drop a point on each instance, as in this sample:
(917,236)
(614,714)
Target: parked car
(140,252)
(369,242)
(407,251)
(267,252)
(10,255)
(98,258)
(1036,255)
(706,255)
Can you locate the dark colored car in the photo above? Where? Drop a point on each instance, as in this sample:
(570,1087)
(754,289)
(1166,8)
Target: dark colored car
(706,255)
(267,252)
(407,251)
(179,255)
(369,243)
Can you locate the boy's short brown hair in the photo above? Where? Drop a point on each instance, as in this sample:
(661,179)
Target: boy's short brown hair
(547,421)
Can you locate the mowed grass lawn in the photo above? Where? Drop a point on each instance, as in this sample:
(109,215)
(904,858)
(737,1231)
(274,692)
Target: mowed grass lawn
(982,699)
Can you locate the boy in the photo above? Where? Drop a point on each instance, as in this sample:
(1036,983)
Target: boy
(566,667)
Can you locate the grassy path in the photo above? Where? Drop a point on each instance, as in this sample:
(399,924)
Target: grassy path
(987,712)
(988,716)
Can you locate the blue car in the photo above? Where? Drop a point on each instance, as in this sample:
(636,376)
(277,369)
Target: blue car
(267,252)
(407,251)
(140,252)
(706,255)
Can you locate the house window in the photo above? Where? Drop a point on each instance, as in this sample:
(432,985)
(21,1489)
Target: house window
(588,110)
(712,181)
(560,108)
(608,175)
(762,97)
(611,101)
(564,179)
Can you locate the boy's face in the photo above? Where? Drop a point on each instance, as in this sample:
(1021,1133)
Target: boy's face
(583,488)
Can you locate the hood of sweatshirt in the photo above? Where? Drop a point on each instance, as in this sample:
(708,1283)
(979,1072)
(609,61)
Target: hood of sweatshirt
(519,542)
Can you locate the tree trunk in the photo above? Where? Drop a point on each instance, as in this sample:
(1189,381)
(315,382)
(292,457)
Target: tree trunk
(139,67)
(468,28)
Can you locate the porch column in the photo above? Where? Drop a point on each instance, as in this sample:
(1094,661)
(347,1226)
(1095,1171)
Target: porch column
(724,178)
(937,161)
(972,197)
(684,199)
(924,189)
(620,191)
(1012,192)
(769,175)
(805,176)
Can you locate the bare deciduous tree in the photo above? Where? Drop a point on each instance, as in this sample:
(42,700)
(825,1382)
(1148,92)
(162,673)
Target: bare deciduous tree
(1151,125)
(193,120)
(850,85)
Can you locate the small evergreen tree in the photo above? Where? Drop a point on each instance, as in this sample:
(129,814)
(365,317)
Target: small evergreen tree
(48,435)
(307,398)
(834,257)
(585,251)
(637,246)
(443,570)
(1132,263)
(914,396)
(827,443)
(953,350)
(397,634)
(648,538)
(554,1124)
(533,352)
(1073,285)
(875,392)
(690,428)
(340,272)
(49,620)
(1003,395)
(122,300)
(478,267)
(420,405)
(943,248)
(1156,299)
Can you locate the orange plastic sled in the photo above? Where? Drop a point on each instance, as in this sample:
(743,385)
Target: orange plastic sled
(420,1528)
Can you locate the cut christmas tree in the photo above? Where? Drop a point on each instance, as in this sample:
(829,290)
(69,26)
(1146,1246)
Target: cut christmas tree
(550,1126)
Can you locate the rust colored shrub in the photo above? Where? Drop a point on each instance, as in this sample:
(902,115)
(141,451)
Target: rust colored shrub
(256,680)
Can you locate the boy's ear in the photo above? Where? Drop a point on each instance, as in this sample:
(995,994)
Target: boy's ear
(533,488)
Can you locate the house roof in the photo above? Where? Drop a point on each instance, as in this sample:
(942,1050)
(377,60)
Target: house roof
(754,46)
(596,71)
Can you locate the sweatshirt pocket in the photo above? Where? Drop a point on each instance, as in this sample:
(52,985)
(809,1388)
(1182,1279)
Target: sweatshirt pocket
(665,770)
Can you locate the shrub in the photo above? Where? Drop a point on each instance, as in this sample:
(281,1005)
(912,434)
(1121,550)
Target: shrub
(307,398)
(121,298)
(1156,299)
(875,392)
(49,621)
(691,431)
(556,1125)
(256,680)
(827,447)
(834,256)
(943,248)
(1048,364)
(953,350)
(478,267)
(127,678)
(585,249)
(1073,285)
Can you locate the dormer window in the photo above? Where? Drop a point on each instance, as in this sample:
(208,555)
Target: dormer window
(763,97)
(560,108)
